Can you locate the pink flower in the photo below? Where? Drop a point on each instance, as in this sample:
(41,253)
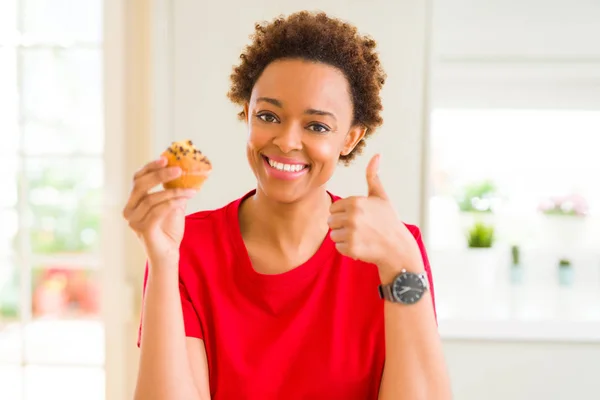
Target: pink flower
(572,204)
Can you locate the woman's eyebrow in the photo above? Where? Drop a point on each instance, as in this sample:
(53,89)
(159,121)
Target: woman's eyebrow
(310,111)
(270,100)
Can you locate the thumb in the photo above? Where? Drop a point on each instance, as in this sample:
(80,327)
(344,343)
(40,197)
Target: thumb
(373,182)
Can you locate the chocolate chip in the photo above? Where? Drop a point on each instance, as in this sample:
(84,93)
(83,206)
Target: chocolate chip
(189,142)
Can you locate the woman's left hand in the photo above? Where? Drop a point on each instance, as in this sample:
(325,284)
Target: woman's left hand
(368,229)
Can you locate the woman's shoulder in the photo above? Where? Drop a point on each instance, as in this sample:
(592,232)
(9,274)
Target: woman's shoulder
(206,221)
(212,226)
(207,239)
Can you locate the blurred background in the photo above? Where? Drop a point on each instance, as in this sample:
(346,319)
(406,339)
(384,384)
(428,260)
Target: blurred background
(491,143)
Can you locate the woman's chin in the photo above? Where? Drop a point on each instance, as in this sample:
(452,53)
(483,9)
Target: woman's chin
(284,193)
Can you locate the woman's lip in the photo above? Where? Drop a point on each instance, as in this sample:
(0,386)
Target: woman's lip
(283,175)
(285,160)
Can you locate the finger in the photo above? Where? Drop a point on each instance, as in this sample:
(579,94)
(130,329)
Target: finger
(153,199)
(157,177)
(338,220)
(373,182)
(339,235)
(344,205)
(157,213)
(151,166)
(161,210)
(344,249)
(146,182)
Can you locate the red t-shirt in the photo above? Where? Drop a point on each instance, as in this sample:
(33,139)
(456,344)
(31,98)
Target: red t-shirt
(315,332)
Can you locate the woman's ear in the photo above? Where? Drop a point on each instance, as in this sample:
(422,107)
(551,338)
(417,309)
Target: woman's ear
(354,136)
(246,116)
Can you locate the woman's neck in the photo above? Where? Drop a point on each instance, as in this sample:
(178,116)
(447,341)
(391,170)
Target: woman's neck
(301,225)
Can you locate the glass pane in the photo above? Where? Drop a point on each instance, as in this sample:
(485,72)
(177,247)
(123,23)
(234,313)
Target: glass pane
(62,98)
(11,379)
(43,383)
(43,139)
(8,232)
(65,200)
(67,325)
(10,327)
(9,167)
(517,162)
(9,129)
(63,20)
(8,21)
(61,291)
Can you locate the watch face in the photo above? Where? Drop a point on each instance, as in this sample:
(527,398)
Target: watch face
(408,288)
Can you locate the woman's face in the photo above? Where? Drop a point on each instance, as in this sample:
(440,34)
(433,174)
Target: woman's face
(299,123)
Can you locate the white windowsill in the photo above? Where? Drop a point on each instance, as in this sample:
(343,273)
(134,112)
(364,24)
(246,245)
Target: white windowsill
(476,300)
(515,330)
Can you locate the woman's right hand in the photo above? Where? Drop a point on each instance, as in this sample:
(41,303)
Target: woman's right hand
(157,218)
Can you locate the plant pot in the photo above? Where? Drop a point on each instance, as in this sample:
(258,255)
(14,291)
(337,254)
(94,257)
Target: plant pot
(516,274)
(481,265)
(562,231)
(566,276)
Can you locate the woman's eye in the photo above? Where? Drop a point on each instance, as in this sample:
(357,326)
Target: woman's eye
(318,128)
(267,117)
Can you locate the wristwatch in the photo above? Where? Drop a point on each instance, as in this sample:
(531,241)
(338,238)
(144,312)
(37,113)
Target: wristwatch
(406,288)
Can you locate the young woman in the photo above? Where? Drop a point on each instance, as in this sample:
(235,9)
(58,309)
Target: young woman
(289,292)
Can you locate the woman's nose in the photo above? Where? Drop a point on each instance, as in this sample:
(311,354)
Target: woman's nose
(289,138)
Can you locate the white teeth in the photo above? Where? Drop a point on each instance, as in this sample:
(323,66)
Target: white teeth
(286,167)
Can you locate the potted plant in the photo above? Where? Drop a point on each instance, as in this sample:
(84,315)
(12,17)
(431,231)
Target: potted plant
(477,202)
(481,260)
(480,197)
(516,269)
(480,236)
(565,272)
(563,221)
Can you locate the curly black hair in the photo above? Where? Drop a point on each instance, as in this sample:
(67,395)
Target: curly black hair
(316,37)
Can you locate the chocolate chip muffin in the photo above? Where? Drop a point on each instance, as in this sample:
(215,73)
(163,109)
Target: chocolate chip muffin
(194,165)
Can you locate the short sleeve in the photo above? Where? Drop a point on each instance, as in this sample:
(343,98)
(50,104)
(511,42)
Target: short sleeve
(419,238)
(191,320)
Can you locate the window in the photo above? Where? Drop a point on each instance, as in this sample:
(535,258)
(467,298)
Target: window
(51,331)
(515,214)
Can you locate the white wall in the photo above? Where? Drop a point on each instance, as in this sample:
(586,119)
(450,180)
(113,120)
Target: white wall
(513,53)
(482,370)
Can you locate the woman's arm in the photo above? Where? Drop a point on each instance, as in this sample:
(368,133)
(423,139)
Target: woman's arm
(171,365)
(369,229)
(414,362)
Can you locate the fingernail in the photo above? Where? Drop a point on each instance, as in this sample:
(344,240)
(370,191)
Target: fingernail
(190,192)
(175,170)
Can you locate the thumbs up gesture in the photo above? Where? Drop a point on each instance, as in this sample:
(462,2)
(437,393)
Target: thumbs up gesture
(367,228)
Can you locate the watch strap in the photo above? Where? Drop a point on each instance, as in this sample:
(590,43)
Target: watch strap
(385,292)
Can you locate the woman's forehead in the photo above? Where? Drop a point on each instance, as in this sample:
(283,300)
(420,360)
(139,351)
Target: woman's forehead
(303,84)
